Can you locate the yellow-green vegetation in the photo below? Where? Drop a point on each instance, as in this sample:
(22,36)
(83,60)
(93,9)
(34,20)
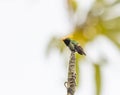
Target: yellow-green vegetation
(98,22)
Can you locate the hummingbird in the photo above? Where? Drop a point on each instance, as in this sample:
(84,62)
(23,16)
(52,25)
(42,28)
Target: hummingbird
(74,46)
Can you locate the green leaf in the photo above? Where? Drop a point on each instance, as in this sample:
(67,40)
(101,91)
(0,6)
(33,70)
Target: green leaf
(55,43)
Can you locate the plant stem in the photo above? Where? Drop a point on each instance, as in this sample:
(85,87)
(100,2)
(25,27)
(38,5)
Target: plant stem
(71,83)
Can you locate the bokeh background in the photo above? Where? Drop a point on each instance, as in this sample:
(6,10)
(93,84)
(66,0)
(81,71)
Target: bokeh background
(33,58)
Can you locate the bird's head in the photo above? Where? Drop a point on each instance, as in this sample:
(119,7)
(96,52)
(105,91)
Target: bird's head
(66,41)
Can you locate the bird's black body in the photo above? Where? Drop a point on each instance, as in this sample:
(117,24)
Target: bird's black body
(74,46)
(67,41)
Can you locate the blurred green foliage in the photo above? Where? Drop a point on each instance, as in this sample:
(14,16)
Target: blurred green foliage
(99,22)
(97,78)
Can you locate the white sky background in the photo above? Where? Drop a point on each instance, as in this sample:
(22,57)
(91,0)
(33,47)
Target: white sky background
(25,29)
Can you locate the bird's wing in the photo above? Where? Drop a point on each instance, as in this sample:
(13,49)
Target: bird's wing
(79,49)
(71,47)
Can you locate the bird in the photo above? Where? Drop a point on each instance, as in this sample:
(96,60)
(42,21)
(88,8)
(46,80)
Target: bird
(74,46)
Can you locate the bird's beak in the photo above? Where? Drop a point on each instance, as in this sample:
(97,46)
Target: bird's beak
(63,38)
